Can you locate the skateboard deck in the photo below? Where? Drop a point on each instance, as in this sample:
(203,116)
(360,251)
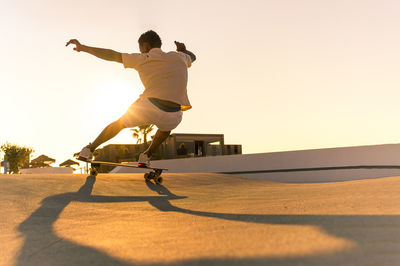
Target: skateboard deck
(154,174)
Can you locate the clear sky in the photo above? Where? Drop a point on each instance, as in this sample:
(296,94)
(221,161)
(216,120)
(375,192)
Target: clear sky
(270,75)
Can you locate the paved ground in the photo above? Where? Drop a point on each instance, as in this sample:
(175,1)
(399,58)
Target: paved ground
(196,219)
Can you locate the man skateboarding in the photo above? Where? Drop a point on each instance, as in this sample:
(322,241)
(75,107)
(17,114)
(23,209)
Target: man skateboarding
(164,76)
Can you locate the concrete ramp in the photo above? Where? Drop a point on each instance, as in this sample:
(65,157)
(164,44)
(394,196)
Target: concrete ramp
(196,219)
(306,166)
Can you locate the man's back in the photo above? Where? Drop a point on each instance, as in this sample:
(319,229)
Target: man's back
(164,75)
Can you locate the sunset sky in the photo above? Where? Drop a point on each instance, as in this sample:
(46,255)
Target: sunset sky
(270,75)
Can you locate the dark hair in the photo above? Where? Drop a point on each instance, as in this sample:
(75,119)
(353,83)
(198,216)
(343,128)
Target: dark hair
(152,38)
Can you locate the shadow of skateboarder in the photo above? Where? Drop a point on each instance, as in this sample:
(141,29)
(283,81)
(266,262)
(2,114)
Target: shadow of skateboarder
(43,247)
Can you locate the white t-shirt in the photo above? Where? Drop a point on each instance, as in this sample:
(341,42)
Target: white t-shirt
(164,75)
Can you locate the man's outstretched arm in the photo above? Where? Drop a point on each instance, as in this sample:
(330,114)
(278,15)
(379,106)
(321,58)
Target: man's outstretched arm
(105,54)
(180,47)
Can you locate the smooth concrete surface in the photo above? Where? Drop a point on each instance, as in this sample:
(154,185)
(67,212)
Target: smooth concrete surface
(324,175)
(197,219)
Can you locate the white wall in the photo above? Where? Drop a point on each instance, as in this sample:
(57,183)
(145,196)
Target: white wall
(48,170)
(388,154)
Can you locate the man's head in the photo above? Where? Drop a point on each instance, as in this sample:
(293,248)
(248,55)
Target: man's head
(149,40)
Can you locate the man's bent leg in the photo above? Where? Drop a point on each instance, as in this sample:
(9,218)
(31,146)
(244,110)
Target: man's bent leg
(157,140)
(108,133)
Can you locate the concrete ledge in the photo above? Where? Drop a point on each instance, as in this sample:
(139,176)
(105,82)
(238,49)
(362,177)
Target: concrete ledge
(320,165)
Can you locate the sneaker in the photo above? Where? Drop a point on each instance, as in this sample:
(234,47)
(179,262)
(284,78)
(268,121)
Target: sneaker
(144,160)
(86,154)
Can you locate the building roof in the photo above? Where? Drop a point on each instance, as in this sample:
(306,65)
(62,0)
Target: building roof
(68,163)
(43,159)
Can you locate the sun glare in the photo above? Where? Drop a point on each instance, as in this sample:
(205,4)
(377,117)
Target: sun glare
(113,99)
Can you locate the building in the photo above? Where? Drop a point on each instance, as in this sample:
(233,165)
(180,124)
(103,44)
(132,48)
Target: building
(193,145)
(177,145)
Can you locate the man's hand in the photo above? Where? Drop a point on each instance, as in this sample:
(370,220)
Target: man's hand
(78,46)
(180,47)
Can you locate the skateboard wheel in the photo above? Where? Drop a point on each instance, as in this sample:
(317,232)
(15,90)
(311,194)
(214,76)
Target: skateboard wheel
(93,172)
(158,179)
(147,176)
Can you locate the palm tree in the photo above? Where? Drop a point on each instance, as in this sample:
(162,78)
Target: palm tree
(16,156)
(142,131)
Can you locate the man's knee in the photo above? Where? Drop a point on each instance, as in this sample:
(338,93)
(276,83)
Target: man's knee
(166,132)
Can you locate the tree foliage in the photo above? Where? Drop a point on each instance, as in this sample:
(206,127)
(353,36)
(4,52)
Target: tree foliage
(142,131)
(16,156)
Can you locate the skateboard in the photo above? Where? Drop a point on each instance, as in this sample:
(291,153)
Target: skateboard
(154,174)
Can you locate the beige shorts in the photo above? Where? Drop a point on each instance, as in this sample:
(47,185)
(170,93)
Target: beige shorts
(143,112)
